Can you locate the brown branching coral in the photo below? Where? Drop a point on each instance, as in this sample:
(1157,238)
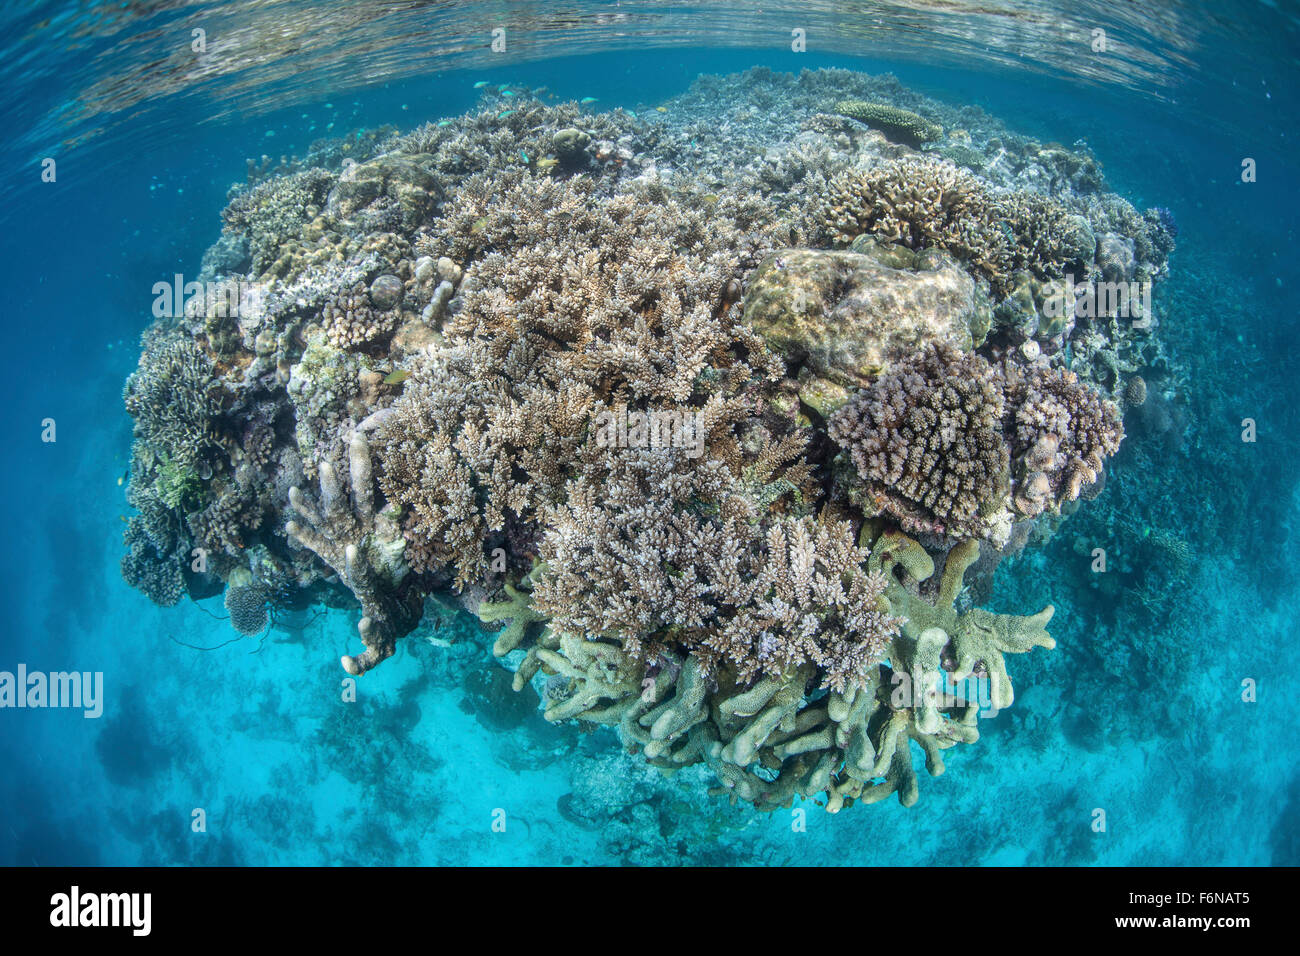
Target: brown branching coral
(938,438)
(927,437)
(273,212)
(246,603)
(151,566)
(582,306)
(926,203)
(769,742)
(664,554)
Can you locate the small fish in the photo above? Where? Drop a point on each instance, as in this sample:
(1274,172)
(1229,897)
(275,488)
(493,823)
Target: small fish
(547,163)
(709,198)
(587,99)
(397,377)
(630,113)
(121,517)
(661,109)
(444,122)
(479,225)
(524,156)
(507,93)
(503,87)
(119,480)
(504,113)
(480,84)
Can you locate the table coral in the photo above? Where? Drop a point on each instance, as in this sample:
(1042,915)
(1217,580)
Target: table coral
(900,124)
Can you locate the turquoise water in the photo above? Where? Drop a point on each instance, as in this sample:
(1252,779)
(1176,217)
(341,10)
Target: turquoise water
(1138,711)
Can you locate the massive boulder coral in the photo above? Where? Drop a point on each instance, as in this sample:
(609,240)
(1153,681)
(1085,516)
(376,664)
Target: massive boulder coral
(849,315)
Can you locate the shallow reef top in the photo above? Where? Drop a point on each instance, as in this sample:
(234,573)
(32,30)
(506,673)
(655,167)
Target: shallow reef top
(728,410)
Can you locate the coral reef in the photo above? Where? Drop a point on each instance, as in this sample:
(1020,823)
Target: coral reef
(716,411)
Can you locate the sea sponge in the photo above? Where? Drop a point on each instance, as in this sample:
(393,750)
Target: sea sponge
(901,125)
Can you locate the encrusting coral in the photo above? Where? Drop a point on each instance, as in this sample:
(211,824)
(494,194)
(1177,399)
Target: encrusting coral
(602,381)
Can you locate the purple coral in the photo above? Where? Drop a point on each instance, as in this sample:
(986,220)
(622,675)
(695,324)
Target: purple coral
(926,437)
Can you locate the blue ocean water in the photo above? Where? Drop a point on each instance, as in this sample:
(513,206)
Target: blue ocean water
(1165,702)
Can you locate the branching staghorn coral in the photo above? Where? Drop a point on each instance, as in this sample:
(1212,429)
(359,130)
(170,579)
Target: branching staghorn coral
(579,306)
(919,203)
(667,555)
